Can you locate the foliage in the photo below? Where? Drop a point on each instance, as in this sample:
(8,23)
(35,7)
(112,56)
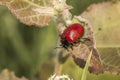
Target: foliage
(106,28)
(29,51)
(8,75)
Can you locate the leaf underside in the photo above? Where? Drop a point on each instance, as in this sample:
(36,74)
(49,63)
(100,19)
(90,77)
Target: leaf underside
(105,19)
(81,52)
(23,10)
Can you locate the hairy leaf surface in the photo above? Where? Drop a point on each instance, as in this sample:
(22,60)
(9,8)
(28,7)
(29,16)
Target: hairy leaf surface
(31,12)
(105,19)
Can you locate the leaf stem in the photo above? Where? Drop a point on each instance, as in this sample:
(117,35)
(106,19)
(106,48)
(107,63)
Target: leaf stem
(60,60)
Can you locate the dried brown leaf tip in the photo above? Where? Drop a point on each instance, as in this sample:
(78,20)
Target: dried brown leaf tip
(81,52)
(9,75)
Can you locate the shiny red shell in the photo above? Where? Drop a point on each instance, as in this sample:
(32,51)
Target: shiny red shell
(73,32)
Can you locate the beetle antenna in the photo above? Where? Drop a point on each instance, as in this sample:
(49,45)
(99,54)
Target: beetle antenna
(58,47)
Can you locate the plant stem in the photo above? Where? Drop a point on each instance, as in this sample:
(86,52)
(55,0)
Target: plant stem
(60,60)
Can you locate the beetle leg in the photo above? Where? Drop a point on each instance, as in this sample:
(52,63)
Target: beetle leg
(85,39)
(71,45)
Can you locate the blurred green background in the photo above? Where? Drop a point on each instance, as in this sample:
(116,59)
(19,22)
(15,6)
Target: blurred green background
(29,50)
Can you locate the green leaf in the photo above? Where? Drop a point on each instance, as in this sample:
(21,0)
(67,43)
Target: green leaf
(84,74)
(106,24)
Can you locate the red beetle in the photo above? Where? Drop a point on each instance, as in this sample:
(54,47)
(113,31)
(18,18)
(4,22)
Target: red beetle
(71,35)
